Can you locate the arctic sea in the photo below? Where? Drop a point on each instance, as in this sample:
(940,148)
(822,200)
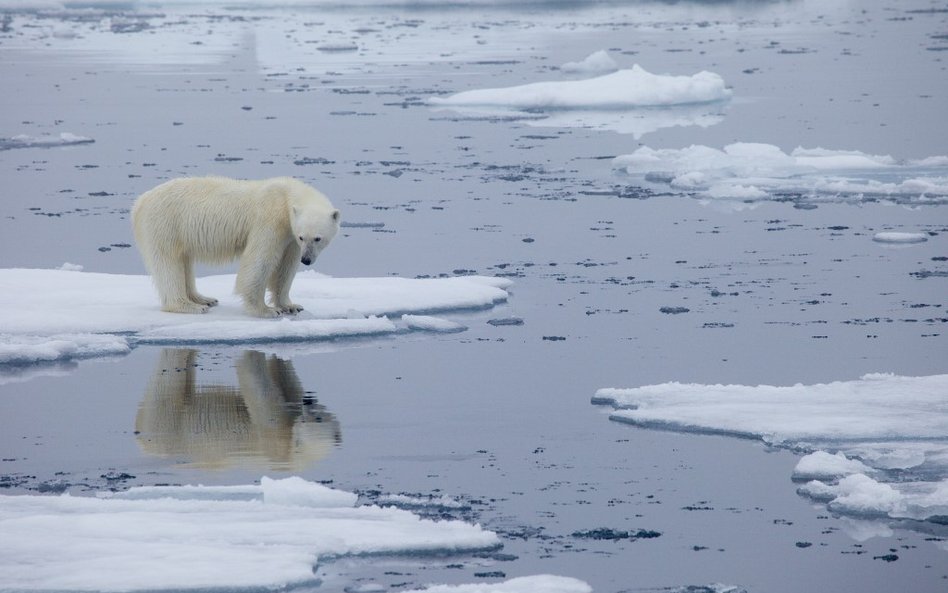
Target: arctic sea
(629,296)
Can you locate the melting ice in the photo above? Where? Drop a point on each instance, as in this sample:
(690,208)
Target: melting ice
(876,446)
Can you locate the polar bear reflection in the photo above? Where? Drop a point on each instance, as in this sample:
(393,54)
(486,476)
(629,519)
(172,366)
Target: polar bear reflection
(267,418)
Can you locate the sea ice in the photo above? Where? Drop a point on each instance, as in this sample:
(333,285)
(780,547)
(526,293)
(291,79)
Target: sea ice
(752,171)
(623,89)
(50,315)
(629,101)
(888,426)
(268,536)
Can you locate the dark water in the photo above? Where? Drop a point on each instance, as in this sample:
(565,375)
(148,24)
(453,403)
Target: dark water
(499,416)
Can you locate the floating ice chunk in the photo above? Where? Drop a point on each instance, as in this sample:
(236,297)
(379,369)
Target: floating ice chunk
(429,323)
(595,63)
(268,536)
(68,267)
(752,171)
(895,237)
(859,494)
(39,307)
(27,141)
(623,89)
(531,584)
(821,464)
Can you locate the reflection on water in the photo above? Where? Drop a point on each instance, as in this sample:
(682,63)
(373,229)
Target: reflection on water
(266,419)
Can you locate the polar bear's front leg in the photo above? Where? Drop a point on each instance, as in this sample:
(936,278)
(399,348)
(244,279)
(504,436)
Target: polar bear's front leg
(282,279)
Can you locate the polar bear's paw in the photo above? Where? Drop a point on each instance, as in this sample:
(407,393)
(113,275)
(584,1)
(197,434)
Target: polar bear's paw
(185,307)
(290,309)
(203,300)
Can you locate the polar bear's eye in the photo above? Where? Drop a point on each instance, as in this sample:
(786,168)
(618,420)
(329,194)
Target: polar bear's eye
(317,239)
(301,238)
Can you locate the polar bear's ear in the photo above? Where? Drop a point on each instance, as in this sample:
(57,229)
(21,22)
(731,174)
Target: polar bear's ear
(335,215)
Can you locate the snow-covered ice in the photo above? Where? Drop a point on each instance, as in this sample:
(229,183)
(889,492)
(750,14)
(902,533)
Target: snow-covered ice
(631,101)
(753,171)
(53,315)
(883,425)
(193,537)
(624,89)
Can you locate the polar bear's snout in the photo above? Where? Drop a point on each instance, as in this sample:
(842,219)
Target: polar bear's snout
(310,249)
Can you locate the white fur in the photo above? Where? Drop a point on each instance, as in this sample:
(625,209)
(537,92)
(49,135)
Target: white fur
(269,224)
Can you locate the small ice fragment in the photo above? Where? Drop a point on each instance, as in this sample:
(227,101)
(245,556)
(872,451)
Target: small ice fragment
(598,62)
(823,465)
(429,323)
(68,267)
(901,238)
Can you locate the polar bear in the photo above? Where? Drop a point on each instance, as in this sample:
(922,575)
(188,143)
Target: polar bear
(269,224)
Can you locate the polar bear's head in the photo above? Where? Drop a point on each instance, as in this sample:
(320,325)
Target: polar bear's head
(313,220)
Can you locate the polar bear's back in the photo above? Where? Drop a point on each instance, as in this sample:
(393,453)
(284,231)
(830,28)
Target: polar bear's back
(206,218)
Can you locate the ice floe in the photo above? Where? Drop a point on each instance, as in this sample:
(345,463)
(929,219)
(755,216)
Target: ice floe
(753,171)
(200,537)
(631,101)
(884,437)
(52,315)
(624,89)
